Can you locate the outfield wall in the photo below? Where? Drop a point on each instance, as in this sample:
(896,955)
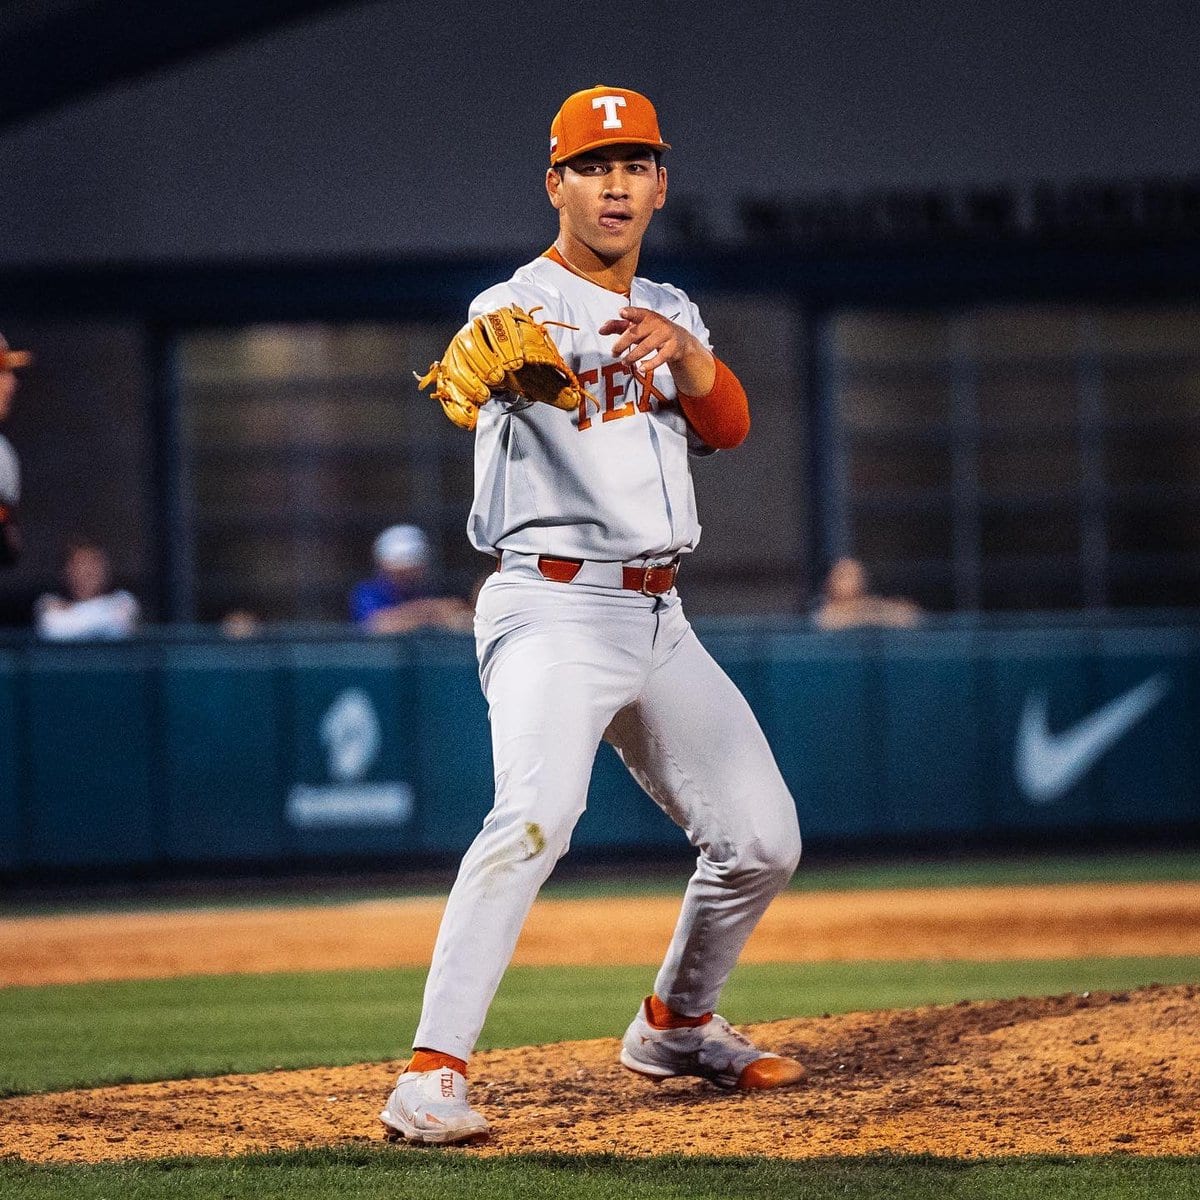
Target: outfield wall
(181,751)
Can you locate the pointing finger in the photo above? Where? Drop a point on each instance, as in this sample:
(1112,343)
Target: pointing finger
(648,345)
(634,335)
(647,367)
(627,339)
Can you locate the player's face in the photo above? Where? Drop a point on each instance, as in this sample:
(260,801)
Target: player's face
(606,197)
(847,580)
(404,576)
(86,573)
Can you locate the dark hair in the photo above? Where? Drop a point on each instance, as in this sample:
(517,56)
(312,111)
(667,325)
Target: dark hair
(78,543)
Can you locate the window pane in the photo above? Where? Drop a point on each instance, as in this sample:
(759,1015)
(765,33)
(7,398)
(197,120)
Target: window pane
(980,445)
(1145,458)
(1140,392)
(877,399)
(1137,585)
(1014,467)
(892,338)
(1155,528)
(890,463)
(1033,531)
(1150,331)
(300,443)
(889,534)
(1033,394)
(1042,333)
(1030,585)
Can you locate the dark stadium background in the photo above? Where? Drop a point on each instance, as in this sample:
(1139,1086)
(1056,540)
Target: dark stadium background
(953,250)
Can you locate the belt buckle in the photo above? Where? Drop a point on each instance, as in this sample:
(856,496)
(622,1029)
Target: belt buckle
(652,575)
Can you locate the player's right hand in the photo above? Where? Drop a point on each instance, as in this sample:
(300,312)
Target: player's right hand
(648,340)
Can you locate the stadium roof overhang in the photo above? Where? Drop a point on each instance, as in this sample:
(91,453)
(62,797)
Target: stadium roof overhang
(53,52)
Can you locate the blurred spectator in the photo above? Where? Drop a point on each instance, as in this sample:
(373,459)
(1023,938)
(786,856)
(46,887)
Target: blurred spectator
(847,602)
(399,597)
(10,469)
(90,608)
(241,623)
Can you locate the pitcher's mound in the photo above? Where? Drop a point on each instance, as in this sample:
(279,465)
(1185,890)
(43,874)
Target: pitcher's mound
(1077,1074)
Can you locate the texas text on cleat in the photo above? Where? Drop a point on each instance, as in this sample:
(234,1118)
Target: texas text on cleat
(431,1106)
(713,1051)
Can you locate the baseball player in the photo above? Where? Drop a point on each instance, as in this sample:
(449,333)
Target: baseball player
(589,390)
(10,469)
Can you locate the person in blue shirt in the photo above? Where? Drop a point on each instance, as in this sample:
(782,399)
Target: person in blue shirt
(399,597)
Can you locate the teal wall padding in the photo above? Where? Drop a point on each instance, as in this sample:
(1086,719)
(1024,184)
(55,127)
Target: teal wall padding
(91,755)
(174,751)
(11,832)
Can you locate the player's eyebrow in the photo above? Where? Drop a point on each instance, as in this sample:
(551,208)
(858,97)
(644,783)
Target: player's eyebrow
(588,159)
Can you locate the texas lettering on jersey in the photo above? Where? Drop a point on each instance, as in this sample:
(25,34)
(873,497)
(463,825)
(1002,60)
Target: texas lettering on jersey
(621,492)
(623,393)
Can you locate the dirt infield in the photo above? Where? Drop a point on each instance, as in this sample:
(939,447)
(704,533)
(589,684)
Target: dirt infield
(1075,1074)
(1070,1075)
(984,923)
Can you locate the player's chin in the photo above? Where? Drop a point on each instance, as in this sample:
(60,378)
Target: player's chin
(618,237)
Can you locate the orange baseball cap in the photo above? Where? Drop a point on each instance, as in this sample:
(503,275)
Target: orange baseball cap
(11,359)
(603,116)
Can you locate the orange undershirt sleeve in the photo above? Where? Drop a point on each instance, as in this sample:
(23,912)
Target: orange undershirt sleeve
(721,418)
(435,1060)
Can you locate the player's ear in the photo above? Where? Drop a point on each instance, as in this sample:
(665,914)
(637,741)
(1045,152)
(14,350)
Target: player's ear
(660,197)
(554,186)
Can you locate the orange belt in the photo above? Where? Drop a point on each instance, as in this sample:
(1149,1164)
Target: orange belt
(650,581)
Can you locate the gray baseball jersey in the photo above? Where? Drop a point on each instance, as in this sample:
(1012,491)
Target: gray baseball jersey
(10,473)
(611,483)
(565,665)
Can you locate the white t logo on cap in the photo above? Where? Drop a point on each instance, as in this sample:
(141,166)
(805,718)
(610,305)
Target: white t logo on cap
(610,104)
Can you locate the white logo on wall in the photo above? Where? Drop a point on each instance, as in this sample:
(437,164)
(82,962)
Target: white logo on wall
(1048,765)
(352,737)
(350,734)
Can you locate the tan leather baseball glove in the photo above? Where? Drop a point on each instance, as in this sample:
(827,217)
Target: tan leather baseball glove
(502,351)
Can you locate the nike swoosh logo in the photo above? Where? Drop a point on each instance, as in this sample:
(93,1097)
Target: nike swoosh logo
(1048,765)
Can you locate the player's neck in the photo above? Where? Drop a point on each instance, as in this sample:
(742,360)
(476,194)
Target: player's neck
(614,274)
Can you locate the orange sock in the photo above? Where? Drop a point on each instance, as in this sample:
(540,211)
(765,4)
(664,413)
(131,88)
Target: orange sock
(431,1060)
(661,1017)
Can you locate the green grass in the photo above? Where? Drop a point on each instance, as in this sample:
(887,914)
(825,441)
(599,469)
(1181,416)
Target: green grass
(1163,866)
(383,1173)
(88,1034)
(813,875)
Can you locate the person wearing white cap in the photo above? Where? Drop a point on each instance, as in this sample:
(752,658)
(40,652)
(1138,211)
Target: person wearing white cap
(399,598)
(10,470)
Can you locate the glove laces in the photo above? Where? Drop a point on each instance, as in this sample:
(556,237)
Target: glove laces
(541,325)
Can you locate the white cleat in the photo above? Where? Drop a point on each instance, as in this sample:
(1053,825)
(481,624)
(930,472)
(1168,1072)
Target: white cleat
(431,1107)
(713,1051)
